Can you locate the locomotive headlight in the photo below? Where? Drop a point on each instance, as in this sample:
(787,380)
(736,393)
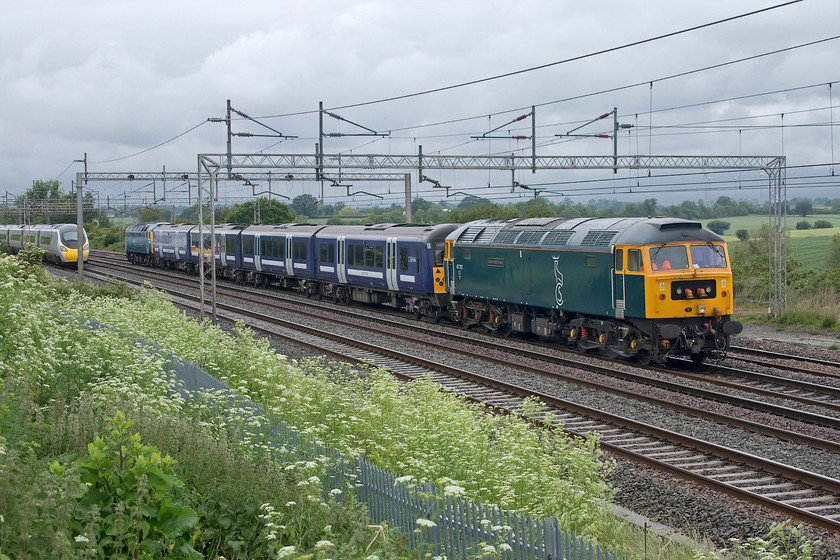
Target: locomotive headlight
(702,309)
(679,291)
(708,289)
(63,249)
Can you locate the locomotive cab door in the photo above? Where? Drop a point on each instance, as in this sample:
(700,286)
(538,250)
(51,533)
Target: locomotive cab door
(619,303)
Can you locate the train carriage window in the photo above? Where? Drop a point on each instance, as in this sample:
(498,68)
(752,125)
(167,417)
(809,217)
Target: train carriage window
(230,243)
(369,258)
(272,248)
(403,258)
(619,260)
(300,250)
(708,256)
(379,257)
(248,246)
(634,260)
(668,258)
(327,253)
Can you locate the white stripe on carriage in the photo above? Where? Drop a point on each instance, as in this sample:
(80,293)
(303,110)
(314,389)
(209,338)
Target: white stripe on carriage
(405,278)
(301,266)
(327,269)
(365,273)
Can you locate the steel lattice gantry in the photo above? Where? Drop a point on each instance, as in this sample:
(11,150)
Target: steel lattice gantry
(774,166)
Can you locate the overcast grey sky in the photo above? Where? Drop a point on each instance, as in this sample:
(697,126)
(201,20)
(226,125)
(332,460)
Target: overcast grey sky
(113,79)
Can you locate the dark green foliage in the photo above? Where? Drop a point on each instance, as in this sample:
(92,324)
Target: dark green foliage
(261,211)
(125,504)
(153,214)
(803,208)
(742,234)
(804,224)
(718,226)
(823,224)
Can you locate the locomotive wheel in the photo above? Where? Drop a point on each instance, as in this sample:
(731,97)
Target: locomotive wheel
(643,357)
(611,353)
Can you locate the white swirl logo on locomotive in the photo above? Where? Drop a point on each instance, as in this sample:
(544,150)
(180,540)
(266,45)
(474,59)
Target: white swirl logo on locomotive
(558,276)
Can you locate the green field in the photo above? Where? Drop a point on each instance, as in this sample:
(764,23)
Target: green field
(807,246)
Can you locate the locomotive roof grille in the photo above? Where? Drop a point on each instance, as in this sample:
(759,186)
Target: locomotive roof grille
(470,234)
(530,238)
(506,237)
(558,238)
(597,238)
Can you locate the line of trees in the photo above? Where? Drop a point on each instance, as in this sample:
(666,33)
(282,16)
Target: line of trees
(45,200)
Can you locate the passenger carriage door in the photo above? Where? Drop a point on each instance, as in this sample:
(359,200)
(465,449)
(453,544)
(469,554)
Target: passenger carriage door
(257,251)
(391,263)
(290,267)
(619,303)
(341,260)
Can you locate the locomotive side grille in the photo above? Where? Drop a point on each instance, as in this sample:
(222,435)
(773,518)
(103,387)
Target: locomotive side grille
(558,238)
(598,238)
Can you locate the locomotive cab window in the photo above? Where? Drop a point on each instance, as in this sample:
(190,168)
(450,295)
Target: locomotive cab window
(668,258)
(440,249)
(619,260)
(708,256)
(634,260)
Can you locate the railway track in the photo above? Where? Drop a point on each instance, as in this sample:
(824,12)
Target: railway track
(802,495)
(786,362)
(817,397)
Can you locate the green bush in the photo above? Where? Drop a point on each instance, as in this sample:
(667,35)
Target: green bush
(125,506)
(718,226)
(804,224)
(823,224)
